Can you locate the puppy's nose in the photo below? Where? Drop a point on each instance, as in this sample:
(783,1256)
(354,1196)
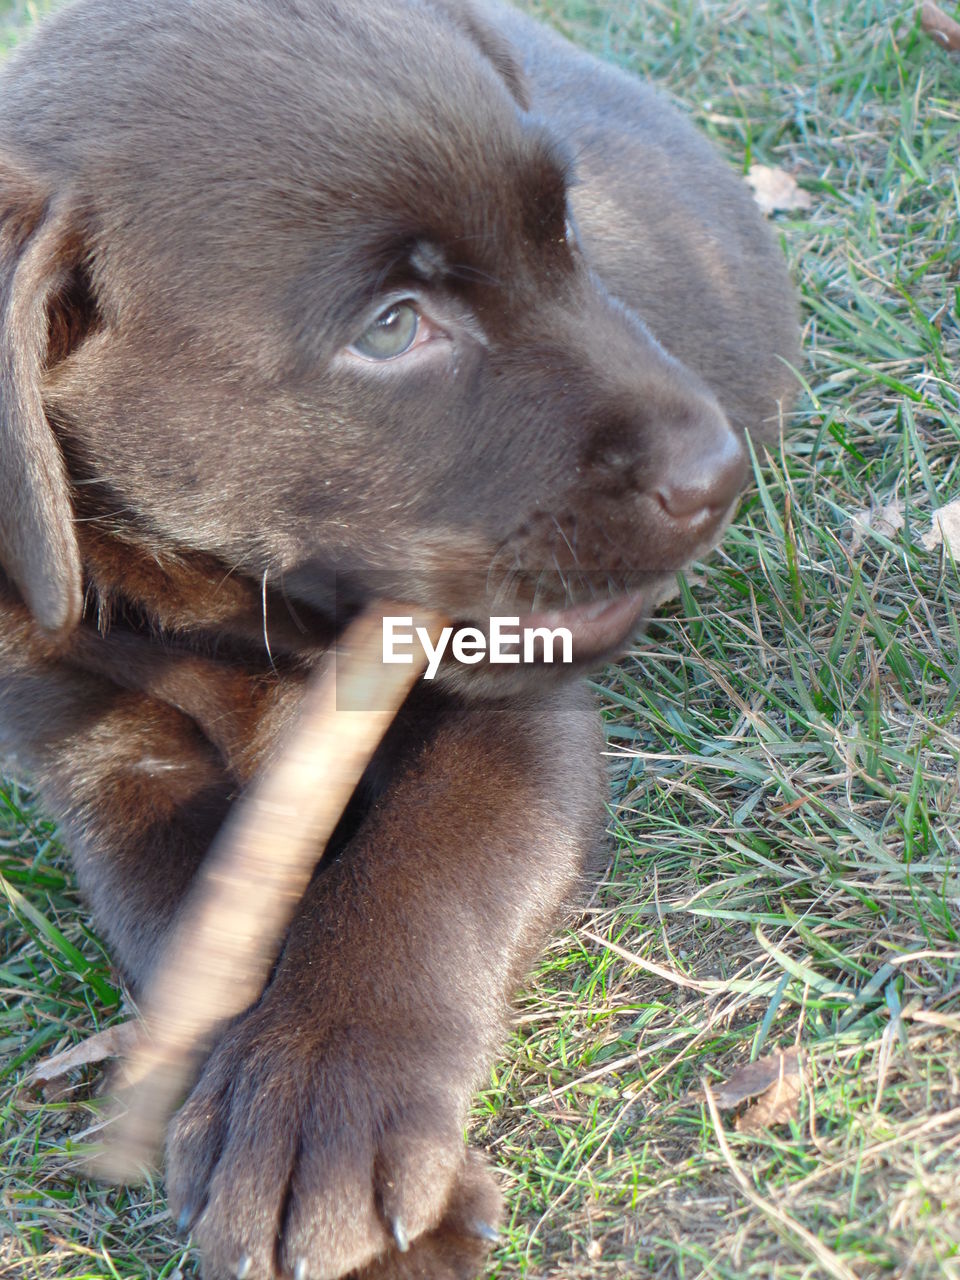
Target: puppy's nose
(701,475)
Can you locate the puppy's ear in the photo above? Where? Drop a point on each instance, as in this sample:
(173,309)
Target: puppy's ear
(495,47)
(38,260)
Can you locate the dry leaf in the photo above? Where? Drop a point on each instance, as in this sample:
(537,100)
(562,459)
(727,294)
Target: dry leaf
(775,189)
(756,1078)
(886,520)
(670,591)
(777,1105)
(945,528)
(114,1042)
(943,29)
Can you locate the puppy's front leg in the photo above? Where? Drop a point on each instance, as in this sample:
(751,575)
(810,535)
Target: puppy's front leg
(325,1134)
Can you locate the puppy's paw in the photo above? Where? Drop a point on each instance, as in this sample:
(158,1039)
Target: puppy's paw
(458,1248)
(312,1153)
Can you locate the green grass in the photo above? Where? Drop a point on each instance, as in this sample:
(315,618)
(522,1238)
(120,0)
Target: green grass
(785,745)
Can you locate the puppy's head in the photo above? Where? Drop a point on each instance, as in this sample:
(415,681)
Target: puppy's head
(298,286)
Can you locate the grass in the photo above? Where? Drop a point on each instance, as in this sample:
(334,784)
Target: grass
(785,745)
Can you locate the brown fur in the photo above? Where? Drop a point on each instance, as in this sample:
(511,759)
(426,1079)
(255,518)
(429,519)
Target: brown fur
(203,203)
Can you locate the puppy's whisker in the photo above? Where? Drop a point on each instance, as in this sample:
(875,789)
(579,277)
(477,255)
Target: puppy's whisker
(266,632)
(232,572)
(289,606)
(569,545)
(564,578)
(100,519)
(504,562)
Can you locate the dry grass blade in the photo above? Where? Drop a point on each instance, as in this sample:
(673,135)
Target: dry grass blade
(659,970)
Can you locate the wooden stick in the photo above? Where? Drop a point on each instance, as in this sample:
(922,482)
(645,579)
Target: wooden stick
(228,932)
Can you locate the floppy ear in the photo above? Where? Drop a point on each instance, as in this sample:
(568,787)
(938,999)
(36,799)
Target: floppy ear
(38,547)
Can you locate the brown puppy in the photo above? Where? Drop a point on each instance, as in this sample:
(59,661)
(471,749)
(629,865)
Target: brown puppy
(305,302)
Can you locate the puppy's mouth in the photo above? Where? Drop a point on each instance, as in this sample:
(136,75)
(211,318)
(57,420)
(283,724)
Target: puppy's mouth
(595,629)
(570,635)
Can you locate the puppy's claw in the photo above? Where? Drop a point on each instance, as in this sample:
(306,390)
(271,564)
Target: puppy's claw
(484,1231)
(243,1267)
(187,1216)
(300,1270)
(400,1236)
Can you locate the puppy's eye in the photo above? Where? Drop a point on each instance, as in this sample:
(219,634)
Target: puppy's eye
(392,333)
